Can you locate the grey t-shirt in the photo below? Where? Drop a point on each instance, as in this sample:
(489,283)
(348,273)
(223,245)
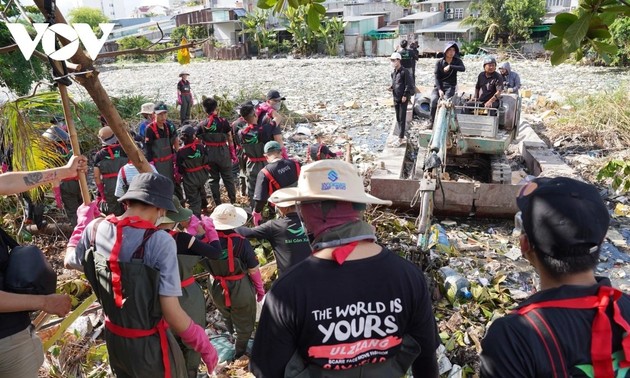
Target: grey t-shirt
(160,252)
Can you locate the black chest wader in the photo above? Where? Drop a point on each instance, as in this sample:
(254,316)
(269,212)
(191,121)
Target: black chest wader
(138,340)
(315,152)
(71,198)
(220,162)
(195,174)
(109,168)
(255,161)
(194,303)
(233,293)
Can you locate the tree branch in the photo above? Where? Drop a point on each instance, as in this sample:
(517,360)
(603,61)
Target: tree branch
(624,2)
(8,49)
(142,51)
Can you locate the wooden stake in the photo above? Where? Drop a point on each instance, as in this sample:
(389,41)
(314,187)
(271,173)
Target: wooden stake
(74,140)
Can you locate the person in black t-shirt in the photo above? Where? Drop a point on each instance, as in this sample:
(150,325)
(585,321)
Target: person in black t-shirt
(286,234)
(328,315)
(489,86)
(278,173)
(22,353)
(446,76)
(406,55)
(559,331)
(318,150)
(184,97)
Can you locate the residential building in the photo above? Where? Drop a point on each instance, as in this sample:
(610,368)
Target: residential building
(435,22)
(227,25)
(356,28)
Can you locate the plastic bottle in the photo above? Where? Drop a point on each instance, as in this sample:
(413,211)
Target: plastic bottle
(454,279)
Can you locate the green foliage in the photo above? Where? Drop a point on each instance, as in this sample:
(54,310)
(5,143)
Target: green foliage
(331,32)
(506,20)
(190,32)
(311,10)
(300,26)
(87,15)
(618,173)
(403,3)
(16,73)
(255,25)
(468,48)
(132,42)
(620,31)
(587,28)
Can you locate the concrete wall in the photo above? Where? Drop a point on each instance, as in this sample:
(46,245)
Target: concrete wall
(225,33)
(353,44)
(359,9)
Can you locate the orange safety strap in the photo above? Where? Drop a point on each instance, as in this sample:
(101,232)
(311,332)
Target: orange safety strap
(134,333)
(601,331)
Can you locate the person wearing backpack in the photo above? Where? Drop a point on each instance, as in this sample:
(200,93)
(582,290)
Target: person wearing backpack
(132,268)
(278,173)
(21,353)
(577,325)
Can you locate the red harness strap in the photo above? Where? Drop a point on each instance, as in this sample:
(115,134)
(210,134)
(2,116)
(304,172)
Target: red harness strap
(232,277)
(273,183)
(215,144)
(153,126)
(601,336)
(256,159)
(109,175)
(188,281)
(135,222)
(196,169)
(70,179)
(134,333)
(165,158)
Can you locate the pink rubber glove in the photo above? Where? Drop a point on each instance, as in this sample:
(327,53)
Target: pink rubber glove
(233,155)
(176,175)
(258,285)
(179,99)
(195,337)
(5,167)
(339,153)
(208,226)
(101,190)
(285,154)
(192,226)
(85,214)
(58,201)
(256,217)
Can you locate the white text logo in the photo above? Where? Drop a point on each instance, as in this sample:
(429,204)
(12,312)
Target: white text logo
(46,34)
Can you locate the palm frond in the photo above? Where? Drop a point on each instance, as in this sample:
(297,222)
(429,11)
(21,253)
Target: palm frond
(22,136)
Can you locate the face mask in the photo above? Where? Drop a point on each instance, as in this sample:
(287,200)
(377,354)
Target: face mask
(276,106)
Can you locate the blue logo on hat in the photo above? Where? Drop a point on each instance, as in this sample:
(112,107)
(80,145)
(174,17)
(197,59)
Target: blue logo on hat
(333,176)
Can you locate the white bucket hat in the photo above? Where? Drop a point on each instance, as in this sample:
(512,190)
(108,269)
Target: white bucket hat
(227,216)
(146,108)
(327,180)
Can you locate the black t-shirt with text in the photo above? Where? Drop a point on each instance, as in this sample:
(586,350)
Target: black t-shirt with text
(287,237)
(341,317)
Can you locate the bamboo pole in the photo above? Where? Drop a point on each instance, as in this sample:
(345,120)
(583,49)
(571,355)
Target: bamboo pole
(74,141)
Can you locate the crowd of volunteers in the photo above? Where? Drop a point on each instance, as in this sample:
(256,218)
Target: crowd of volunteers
(343,305)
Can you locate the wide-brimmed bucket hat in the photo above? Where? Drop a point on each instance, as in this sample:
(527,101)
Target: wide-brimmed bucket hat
(227,216)
(281,198)
(152,189)
(146,108)
(327,180)
(181,214)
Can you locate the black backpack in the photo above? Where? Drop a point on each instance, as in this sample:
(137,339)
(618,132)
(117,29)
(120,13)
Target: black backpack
(24,269)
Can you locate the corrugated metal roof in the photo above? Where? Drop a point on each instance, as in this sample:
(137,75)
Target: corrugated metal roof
(418,16)
(446,27)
